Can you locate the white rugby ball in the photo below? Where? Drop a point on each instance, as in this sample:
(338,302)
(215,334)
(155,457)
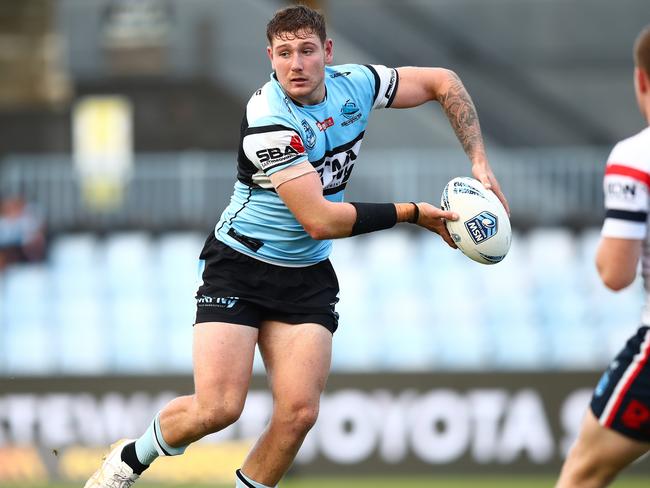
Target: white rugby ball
(482,231)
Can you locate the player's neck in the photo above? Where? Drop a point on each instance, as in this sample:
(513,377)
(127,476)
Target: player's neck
(316,97)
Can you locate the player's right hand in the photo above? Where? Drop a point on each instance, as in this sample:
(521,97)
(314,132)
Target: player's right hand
(433,219)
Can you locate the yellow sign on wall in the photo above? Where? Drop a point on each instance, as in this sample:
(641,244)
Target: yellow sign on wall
(103,148)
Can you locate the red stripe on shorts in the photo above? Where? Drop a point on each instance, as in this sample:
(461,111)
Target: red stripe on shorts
(630,380)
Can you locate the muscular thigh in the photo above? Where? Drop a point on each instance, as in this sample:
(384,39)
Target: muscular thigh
(297,359)
(223,361)
(604,447)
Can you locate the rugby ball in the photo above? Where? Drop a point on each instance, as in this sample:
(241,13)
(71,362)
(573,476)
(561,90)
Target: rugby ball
(482,231)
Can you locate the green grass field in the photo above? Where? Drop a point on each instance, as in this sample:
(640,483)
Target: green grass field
(395,482)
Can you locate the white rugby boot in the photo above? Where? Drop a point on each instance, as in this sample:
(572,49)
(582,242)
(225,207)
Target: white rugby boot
(113,473)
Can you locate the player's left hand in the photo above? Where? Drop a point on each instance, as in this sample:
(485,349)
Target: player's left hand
(482,172)
(433,219)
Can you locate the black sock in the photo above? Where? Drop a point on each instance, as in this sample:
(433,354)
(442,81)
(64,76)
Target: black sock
(129,457)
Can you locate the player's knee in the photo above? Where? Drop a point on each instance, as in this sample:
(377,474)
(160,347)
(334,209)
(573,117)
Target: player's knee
(590,476)
(585,469)
(306,417)
(218,417)
(300,416)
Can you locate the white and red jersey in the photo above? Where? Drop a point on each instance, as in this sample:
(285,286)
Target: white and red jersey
(626,186)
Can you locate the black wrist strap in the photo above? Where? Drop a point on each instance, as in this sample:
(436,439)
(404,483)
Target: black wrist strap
(416,215)
(373,216)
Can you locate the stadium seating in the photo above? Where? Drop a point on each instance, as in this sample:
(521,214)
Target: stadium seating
(125,304)
(29,336)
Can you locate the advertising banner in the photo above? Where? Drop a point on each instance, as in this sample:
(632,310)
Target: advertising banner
(58,428)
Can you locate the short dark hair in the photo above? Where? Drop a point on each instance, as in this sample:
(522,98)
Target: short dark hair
(299,21)
(642,50)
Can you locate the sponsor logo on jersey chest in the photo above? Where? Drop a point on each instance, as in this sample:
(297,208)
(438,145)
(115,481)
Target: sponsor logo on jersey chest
(325,124)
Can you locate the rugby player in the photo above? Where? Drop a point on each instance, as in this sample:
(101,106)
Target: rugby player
(266,275)
(616,428)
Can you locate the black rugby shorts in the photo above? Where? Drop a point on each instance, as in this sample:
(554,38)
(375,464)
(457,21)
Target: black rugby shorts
(621,400)
(238,289)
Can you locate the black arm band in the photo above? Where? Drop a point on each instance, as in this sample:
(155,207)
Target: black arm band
(373,216)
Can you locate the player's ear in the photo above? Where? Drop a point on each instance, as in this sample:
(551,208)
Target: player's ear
(269,53)
(642,81)
(329,50)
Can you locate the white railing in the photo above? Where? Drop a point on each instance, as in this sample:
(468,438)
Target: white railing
(548,186)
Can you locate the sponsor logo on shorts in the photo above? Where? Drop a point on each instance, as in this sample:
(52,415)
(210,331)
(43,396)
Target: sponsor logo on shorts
(217,302)
(603,383)
(636,415)
(482,226)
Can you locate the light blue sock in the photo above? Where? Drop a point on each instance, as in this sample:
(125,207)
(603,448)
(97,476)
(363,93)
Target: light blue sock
(243,481)
(151,444)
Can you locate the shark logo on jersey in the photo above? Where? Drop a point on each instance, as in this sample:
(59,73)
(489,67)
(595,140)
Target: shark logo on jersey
(336,74)
(349,109)
(482,226)
(351,112)
(310,135)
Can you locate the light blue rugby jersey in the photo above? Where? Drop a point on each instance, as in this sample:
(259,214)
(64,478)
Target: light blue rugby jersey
(276,133)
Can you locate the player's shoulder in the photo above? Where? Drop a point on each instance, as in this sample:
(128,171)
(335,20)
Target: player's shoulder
(269,105)
(633,151)
(638,141)
(351,73)
(373,82)
(345,71)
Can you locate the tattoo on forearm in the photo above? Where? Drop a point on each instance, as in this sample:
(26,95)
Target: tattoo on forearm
(462,115)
